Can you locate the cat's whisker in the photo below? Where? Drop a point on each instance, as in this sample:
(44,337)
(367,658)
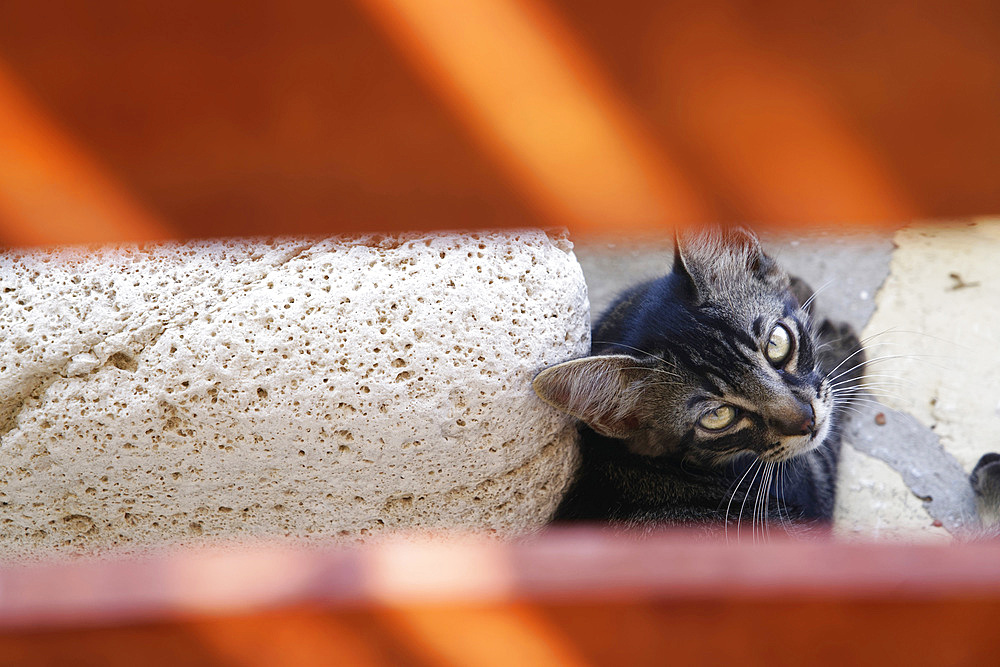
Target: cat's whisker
(778,480)
(731,498)
(755,517)
(880,333)
(889,376)
(852,409)
(816,293)
(866,348)
(869,393)
(739,518)
(870,399)
(875,361)
(756,503)
(758,509)
(895,330)
(872,387)
(654,370)
(767,502)
(866,395)
(781,492)
(922,358)
(848,395)
(632,347)
(876,400)
(877,394)
(756,506)
(861,402)
(879,380)
(860,350)
(661,371)
(884,390)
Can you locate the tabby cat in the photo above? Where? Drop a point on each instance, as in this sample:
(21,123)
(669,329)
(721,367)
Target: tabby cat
(711,397)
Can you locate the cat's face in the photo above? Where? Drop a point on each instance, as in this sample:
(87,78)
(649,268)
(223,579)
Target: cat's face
(714,360)
(743,378)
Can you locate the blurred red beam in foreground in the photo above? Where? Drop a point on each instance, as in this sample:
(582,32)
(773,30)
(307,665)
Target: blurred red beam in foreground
(565,597)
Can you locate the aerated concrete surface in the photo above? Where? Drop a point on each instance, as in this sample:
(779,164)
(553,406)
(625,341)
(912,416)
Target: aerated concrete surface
(295,388)
(926,301)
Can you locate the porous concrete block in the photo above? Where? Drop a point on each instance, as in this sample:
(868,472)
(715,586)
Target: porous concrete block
(244,389)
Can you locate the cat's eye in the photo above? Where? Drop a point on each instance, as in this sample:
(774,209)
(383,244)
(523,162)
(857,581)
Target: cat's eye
(779,345)
(717,418)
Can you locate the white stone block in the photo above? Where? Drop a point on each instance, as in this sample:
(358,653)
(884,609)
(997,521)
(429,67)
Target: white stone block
(245,389)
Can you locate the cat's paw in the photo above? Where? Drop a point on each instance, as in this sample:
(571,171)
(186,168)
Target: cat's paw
(840,349)
(985,477)
(985,480)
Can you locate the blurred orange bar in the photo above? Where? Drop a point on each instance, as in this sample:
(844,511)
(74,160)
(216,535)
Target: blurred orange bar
(568,597)
(309,117)
(51,192)
(531,97)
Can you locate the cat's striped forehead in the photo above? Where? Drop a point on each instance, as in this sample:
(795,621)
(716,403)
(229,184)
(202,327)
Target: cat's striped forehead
(721,343)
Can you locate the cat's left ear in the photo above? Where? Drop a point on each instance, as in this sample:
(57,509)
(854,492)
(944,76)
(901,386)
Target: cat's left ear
(700,258)
(757,261)
(606,392)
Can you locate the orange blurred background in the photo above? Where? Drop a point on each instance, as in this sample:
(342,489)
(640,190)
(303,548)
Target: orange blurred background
(123,120)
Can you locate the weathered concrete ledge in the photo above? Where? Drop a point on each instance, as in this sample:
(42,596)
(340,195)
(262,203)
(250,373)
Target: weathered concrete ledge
(905,476)
(242,389)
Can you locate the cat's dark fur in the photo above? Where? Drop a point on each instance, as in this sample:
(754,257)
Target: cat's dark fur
(985,480)
(677,353)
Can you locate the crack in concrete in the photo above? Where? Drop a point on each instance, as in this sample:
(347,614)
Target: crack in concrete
(39,383)
(11,408)
(928,470)
(36,384)
(169,322)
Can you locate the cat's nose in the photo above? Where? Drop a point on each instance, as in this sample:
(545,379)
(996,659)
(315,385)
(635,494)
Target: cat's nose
(796,420)
(808,425)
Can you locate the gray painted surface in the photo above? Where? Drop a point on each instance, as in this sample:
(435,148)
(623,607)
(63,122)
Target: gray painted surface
(915,452)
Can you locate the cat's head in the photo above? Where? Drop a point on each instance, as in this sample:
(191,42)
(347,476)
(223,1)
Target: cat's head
(711,361)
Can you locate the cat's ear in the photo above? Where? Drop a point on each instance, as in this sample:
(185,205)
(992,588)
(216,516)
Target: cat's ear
(748,246)
(700,258)
(605,392)
(683,261)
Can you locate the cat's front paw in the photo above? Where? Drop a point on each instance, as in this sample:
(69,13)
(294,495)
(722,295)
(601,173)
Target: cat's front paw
(985,477)
(840,351)
(985,480)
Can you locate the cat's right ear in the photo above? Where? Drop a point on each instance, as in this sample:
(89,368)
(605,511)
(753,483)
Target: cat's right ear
(605,392)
